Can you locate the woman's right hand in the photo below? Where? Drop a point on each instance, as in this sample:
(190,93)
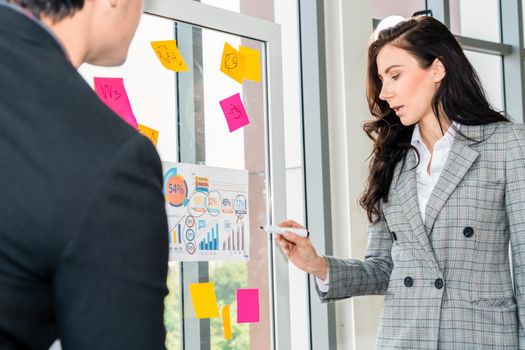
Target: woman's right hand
(301,252)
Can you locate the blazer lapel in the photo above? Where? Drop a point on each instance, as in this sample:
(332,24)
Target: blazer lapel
(406,188)
(460,159)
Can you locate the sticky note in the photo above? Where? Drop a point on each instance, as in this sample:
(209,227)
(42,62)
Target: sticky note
(150,133)
(234,112)
(204,300)
(113,93)
(169,55)
(252,63)
(232,63)
(226,323)
(247,305)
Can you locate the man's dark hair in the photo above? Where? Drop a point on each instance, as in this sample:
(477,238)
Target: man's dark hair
(55,9)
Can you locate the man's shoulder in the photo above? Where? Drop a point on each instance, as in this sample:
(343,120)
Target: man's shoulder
(58,116)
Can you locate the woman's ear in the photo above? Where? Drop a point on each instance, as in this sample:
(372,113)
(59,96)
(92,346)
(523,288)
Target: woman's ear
(438,70)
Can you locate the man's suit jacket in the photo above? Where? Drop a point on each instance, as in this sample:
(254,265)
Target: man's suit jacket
(447,282)
(83,231)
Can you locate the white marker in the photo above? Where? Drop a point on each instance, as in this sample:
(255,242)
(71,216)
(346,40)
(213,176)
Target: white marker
(276,230)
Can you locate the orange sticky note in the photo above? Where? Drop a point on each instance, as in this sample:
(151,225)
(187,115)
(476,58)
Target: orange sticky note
(204,300)
(252,63)
(150,133)
(226,322)
(232,63)
(169,55)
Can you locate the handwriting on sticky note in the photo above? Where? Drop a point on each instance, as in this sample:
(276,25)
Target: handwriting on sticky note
(226,322)
(204,300)
(232,63)
(252,63)
(169,55)
(247,305)
(113,93)
(234,112)
(151,134)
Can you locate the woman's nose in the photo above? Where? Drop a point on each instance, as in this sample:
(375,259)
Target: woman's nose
(385,93)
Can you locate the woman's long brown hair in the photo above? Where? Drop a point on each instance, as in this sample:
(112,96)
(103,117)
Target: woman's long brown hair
(459,98)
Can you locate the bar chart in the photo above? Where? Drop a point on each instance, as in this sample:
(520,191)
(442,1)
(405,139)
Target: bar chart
(235,241)
(175,235)
(211,240)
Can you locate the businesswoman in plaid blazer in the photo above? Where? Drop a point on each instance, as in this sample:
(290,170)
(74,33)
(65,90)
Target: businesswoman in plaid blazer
(445,198)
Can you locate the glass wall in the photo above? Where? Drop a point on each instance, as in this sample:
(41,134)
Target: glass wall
(475,19)
(185,110)
(489,69)
(285,13)
(152,91)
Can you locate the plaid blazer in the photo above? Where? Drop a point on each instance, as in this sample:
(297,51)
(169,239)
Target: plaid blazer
(447,282)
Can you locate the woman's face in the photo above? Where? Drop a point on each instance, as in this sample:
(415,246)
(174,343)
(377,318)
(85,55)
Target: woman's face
(407,88)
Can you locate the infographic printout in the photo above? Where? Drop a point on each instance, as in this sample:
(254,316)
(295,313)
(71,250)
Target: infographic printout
(207,210)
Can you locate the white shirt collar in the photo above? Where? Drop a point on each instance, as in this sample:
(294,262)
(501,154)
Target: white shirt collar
(448,137)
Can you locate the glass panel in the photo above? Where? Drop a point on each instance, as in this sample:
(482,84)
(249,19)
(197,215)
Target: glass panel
(152,93)
(244,148)
(159,104)
(468,18)
(405,8)
(286,14)
(489,69)
(172,313)
(151,88)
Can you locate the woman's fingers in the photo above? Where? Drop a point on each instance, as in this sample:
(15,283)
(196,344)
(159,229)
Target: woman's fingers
(284,244)
(290,223)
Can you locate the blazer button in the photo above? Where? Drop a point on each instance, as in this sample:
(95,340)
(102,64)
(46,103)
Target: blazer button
(438,283)
(394,237)
(468,232)
(408,281)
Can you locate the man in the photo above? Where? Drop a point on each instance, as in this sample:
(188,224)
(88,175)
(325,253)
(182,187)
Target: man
(83,232)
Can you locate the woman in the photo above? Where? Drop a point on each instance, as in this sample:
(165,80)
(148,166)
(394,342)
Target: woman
(445,194)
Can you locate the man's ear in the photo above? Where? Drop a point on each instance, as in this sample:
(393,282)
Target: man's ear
(438,70)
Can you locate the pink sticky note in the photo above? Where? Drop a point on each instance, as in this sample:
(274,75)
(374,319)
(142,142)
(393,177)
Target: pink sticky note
(247,305)
(113,93)
(234,112)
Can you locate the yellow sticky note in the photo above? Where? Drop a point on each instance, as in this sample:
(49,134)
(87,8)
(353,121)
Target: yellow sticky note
(150,133)
(252,63)
(232,63)
(204,300)
(169,55)
(226,323)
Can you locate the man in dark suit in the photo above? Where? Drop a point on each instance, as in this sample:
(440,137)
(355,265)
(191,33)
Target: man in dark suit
(83,232)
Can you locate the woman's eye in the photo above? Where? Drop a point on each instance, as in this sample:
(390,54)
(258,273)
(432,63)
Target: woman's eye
(394,77)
